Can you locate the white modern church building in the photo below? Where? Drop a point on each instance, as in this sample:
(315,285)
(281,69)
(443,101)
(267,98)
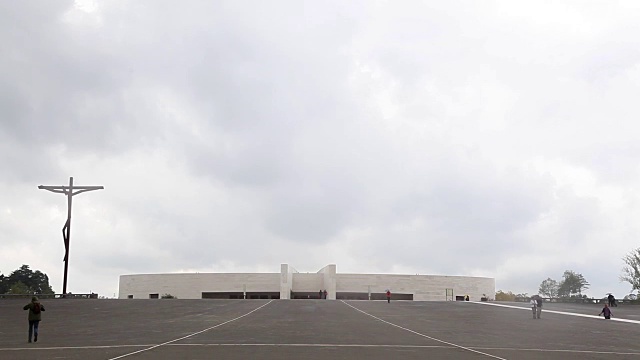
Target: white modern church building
(291,284)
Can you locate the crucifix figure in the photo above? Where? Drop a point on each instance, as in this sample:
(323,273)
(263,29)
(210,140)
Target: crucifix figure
(69,191)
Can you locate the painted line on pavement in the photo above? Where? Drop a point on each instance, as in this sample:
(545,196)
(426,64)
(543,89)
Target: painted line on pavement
(190,335)
(423,335)
(73,347)
(329,345)
(557,312)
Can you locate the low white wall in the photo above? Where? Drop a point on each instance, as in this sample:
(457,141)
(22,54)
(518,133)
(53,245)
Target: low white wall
(191,286)
(423,287)
(307,282)
(329,279)
(286,280)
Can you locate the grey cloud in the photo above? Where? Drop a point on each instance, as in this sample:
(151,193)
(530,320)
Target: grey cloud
(416,135)
(67,87)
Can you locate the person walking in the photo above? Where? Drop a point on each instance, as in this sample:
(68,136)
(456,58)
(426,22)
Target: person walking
(539,306)
(612,300)
(388,296)
(606,311)
(35,316)
(320,294)
(325,294)
(534,306)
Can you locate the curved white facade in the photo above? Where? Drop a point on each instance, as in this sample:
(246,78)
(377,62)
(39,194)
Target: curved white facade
(290,284)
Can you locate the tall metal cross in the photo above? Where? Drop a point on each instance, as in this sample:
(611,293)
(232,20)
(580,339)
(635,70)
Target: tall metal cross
(69,191)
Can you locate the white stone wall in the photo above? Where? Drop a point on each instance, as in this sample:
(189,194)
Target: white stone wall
(423,287)
(329,280)
(191,286)
(307,282)
(286,280)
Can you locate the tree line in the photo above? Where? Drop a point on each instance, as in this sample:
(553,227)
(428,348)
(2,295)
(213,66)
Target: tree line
(572,283)
(25,281)
(631,269)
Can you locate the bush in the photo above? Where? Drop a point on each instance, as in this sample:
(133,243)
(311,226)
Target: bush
(505,296)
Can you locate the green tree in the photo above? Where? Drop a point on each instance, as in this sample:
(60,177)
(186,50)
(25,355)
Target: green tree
(549,288)
(36,282)
(4,288)
(631,270)
(20,288)
(572,283)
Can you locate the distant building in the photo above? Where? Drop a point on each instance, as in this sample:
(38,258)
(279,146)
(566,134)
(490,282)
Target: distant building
(290,284)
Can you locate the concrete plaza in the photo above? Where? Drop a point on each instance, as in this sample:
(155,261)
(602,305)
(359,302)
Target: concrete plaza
(316,329)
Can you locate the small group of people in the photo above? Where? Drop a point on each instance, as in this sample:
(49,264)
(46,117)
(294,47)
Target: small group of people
(536,306)
(606,310)
(322,294)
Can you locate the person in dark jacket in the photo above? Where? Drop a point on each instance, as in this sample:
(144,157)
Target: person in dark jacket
(35,316)
(538,299)
(606,312)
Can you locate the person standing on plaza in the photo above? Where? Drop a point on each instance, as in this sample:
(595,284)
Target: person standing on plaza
(538,299)
(388,296)
(320,294)
(35,316)
(534,305)
(325,294)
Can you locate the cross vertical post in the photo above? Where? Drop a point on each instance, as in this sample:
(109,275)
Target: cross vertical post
(66,229)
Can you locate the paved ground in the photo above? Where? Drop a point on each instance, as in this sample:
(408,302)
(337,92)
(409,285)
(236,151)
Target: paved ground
(316,329)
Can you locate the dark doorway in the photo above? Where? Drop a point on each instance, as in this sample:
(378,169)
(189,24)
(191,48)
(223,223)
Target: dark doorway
(263,295)
(222,295)
(240,295)
(352,296)
(305,295)
(394,296)
(374,296)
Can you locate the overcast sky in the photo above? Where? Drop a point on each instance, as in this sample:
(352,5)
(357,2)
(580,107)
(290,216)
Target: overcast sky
(479,138)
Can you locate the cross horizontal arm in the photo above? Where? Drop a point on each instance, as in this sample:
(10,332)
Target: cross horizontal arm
(87,188)
(65,189)
(55,189)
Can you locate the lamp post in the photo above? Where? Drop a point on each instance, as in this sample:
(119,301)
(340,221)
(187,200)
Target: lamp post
(69,191)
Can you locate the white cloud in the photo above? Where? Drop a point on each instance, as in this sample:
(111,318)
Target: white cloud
(494,139)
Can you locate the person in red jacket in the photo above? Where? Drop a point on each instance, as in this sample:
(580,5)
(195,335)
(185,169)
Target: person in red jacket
(388,296)
(35,315)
